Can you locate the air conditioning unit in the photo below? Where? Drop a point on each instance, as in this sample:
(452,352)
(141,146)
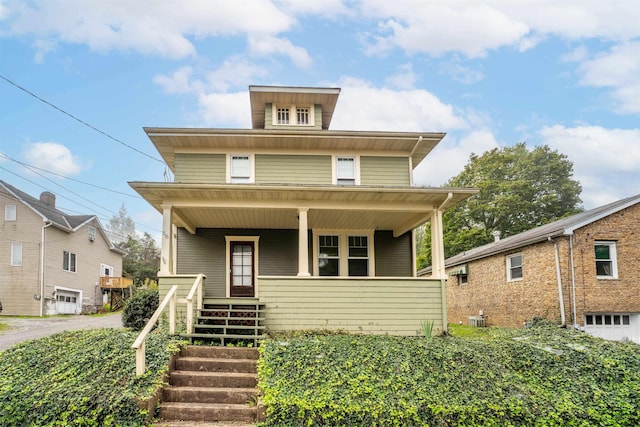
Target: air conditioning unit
(477,321)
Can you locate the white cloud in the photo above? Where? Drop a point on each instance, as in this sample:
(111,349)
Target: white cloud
(153,27)
(606,161)
(365,107)
(617,69)
(473,28)
(404,78)
(461,73)
(270,45)
(53,157)
(179,81)
(450,156)
(225,109)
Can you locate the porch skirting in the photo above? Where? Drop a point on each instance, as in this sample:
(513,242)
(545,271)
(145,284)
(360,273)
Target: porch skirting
(367,305)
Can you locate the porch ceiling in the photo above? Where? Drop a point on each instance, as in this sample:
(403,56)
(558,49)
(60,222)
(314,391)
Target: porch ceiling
(271,206)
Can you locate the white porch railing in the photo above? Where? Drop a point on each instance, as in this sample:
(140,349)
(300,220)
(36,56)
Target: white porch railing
(171,300)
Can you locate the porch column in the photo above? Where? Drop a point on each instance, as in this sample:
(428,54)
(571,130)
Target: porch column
(303,243)
(166,249)
(437,245)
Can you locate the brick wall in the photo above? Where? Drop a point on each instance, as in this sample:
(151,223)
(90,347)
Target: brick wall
(512,304)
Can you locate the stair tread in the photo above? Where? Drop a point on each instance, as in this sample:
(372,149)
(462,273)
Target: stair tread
(205,389)
(214,373)
(215,359)
(207,405)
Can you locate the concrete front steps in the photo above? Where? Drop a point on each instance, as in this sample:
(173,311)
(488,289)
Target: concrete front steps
(213,385)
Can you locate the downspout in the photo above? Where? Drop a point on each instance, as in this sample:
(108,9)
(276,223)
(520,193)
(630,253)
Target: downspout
(42,252)
(573,283)
(563,319)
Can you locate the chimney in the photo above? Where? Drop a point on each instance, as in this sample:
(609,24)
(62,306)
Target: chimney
(496,235)
(48,199)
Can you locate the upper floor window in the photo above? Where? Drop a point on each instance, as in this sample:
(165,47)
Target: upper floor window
(16,254)
(514,267)
(10,212)
(346,170)
(106,270)
(293,115)
(240,168)
(606,262)
(92,233)
(69,261)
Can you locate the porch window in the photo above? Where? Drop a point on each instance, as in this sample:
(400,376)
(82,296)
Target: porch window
(10,213)
(345,170)
(358,256)
(606,263)
(240,169)
(514,267)
(16,254)
(69,261)
(329,255)
(282,115)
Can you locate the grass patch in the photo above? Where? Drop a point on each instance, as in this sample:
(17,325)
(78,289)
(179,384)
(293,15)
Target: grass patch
(537,376)
(80,378)
(464,331)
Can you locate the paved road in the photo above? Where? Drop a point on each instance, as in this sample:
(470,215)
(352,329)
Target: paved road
(23,329)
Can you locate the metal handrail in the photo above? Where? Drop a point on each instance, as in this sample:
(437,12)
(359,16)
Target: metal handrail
(139,343)
(196,290)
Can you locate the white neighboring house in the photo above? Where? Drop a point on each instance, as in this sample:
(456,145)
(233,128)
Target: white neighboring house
(51,262)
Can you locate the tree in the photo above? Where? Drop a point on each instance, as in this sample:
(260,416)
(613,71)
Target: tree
(520,189)
(121,226)
(142,259)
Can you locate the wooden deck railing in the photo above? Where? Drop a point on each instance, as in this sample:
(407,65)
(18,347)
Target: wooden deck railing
(171,300)
(108,282)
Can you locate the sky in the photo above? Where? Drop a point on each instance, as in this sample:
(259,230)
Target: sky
(80,79)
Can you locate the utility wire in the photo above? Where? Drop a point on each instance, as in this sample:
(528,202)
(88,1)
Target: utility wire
(69,178)
(78,120)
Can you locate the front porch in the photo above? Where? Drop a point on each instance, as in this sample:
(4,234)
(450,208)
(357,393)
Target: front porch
(361,305)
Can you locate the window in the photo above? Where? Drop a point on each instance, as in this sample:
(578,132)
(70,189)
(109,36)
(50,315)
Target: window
(606,265)
(514,267)
(10,213)
(463,279)
(607,319)
(358,260)
(293,115)
(328,256)
(106,270)
(69,261)
(16,254)
(92,233)
(342,253)
(345,170)
(282,116)
(240,169)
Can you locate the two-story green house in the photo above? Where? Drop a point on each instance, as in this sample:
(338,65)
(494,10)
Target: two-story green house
(313,226)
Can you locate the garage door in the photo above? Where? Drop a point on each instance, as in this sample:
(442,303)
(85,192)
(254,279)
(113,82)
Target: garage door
(67,302)
(610,326)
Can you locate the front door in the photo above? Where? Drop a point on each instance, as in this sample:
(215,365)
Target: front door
(242,269)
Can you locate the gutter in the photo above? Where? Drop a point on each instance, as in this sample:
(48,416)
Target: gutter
(42,252)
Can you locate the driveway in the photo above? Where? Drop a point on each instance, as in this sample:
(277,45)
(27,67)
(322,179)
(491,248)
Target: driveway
(23,329)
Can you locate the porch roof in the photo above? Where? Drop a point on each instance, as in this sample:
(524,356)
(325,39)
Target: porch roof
(276,206)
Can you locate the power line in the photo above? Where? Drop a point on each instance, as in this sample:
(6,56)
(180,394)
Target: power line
(69,178)
(78,120)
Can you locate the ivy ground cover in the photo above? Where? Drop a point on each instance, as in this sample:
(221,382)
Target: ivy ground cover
(80,378)
(540,376)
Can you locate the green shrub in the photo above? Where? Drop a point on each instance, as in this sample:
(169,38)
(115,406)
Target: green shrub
(140,308)
(81,378)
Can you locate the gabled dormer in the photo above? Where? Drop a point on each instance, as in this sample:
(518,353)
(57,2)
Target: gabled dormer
(279,107)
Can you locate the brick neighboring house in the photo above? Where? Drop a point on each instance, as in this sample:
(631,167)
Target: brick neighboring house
(583,270)
(51,262)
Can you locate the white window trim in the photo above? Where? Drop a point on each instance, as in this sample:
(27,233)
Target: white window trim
(293,115)
(252,168)
(343,250)
(508,259)
(103,267)
(13,261)
(228,240)
(7,209)
(613,252)
(76,263)
(334,167)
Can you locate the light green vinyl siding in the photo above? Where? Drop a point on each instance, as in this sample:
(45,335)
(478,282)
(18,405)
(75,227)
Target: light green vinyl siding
(390,171)
(268,119)
(206,168)
(292,169)
(363,305)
